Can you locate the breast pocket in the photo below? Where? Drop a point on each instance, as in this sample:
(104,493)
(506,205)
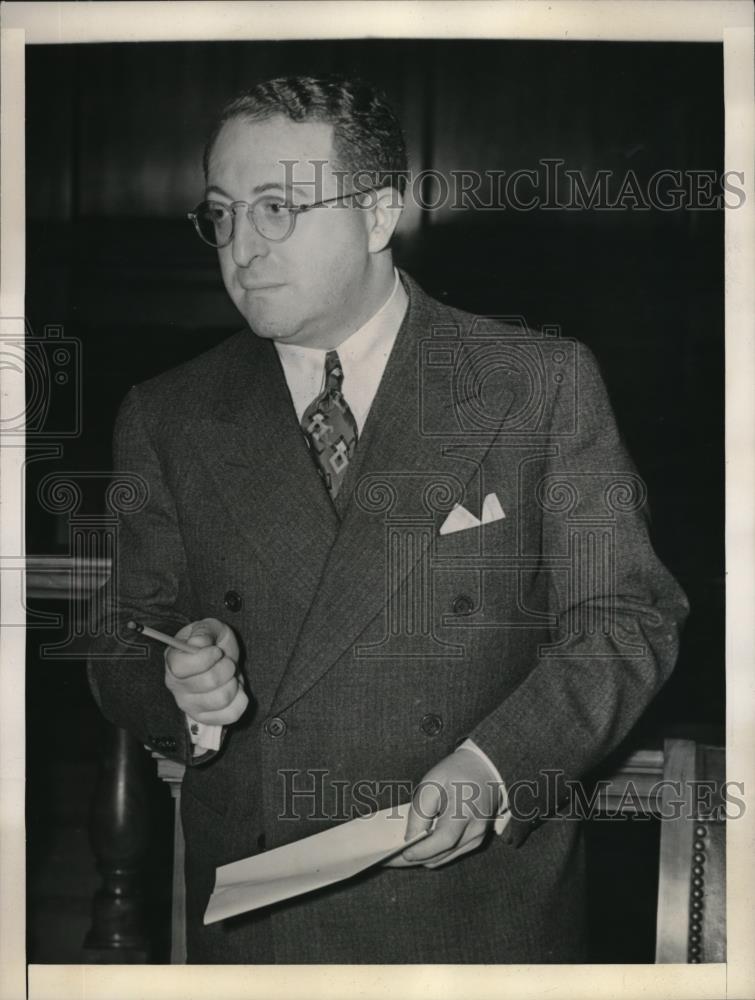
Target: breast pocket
(480,582)
(473,544)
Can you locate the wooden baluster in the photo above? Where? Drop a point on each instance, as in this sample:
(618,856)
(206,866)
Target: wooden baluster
(119,837)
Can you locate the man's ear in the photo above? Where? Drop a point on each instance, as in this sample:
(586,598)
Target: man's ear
(383,208)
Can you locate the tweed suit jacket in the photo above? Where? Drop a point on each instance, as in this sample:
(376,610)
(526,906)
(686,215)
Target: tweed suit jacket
(372,644)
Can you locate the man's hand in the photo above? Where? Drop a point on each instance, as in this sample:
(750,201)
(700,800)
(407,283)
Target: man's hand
(459,795)
(206,684)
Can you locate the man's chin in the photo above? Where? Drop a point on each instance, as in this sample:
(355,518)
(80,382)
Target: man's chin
(280,332)
(269,324)
(281,325)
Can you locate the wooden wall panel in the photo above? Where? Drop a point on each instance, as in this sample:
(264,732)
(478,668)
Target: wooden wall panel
(506,106)
(129,122)
(50,131)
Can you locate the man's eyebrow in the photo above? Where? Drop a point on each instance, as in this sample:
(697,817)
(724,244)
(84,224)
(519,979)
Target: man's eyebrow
(260,189)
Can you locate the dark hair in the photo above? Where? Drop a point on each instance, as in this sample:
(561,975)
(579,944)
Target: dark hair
(367,137)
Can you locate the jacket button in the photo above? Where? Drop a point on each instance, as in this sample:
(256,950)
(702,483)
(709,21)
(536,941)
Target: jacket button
(261,842)
(232,600)
(275,727)
(462,605)
(431,724)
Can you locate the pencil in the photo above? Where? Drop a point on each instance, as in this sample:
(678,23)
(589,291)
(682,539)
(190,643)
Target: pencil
(152,633)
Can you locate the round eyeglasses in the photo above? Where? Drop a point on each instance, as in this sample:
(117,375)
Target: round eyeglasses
(272,217)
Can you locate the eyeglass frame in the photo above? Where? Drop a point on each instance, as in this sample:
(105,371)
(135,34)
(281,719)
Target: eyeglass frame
(295,211)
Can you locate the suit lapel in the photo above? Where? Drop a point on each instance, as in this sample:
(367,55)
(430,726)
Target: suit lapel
(396,463)
(259,459)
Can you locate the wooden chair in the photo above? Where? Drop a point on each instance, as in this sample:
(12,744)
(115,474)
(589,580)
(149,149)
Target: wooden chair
(691,923)
(669,784)
(682,785)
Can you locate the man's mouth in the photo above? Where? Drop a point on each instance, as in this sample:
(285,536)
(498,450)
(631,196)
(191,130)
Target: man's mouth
(260,286)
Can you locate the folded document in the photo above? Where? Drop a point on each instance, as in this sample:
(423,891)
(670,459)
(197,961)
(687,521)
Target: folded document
(308,864)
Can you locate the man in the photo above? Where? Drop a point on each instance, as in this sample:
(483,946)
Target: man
(351,649)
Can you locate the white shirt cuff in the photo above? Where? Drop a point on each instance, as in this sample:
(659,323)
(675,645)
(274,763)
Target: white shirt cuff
(503,815)
(203,737)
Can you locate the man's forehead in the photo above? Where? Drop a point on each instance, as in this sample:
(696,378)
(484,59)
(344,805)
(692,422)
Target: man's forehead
(255,150)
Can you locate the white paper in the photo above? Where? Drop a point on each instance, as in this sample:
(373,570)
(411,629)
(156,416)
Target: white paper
(308,864)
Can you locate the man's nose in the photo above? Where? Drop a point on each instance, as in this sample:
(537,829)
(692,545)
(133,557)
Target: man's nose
(247,242)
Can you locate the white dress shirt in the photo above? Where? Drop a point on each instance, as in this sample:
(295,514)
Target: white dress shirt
(363,357)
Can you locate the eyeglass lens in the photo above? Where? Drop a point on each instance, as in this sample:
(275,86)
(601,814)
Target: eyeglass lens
(271,217)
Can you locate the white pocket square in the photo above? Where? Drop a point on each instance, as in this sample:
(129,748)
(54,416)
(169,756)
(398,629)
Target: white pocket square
(460,519)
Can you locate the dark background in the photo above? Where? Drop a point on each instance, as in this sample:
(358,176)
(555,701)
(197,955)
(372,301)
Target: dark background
(114,139)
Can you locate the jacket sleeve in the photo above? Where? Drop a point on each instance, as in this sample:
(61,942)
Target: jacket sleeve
(618,615)
(149,583)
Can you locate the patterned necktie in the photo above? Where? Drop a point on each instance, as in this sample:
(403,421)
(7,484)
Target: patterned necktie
(330,427)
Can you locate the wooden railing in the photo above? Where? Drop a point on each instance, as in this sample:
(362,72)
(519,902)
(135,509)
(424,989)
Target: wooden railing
(52,576)
(120,821)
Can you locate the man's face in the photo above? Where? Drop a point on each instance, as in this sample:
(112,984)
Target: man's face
(306,289)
